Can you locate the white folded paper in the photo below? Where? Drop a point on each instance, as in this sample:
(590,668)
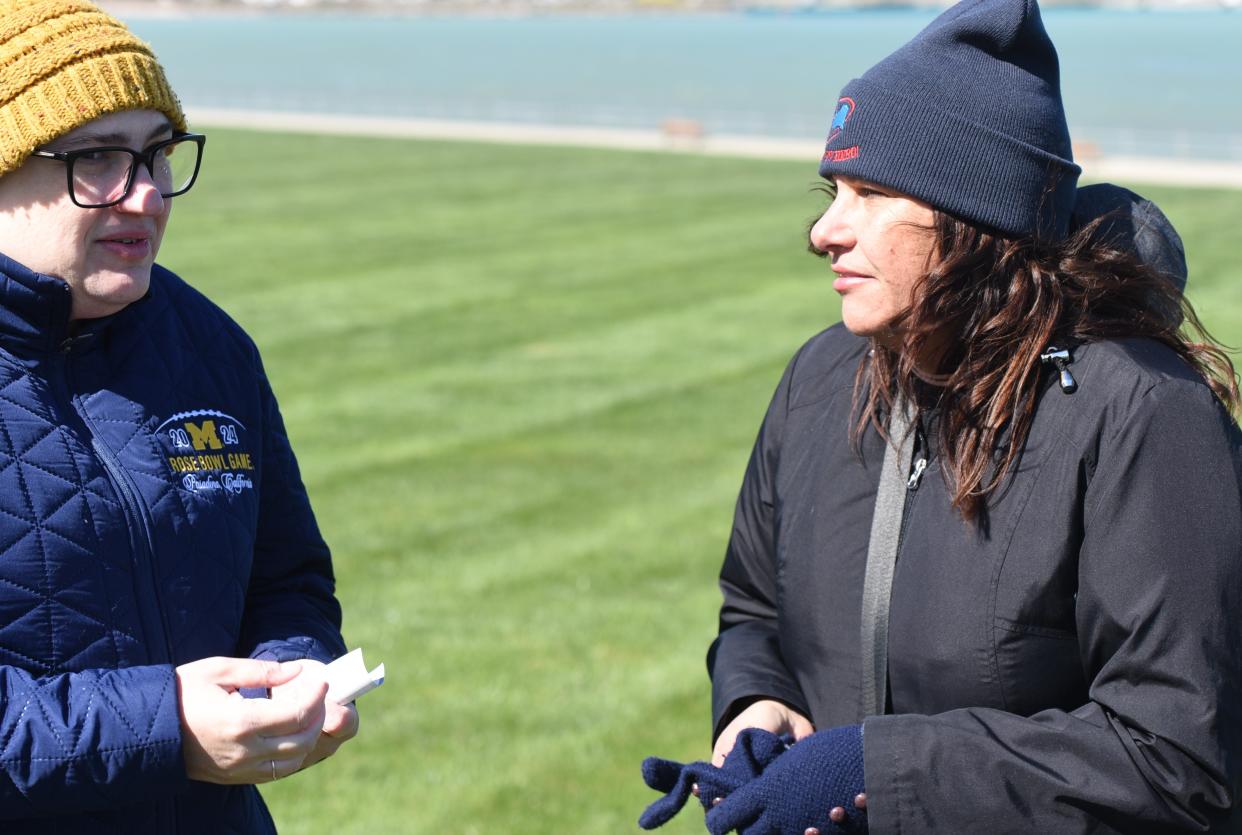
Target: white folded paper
(348,678)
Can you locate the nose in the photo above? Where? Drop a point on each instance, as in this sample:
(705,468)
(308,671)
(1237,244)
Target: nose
(144,195)
(832,233)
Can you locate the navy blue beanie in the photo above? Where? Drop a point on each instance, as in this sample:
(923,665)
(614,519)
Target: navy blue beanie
(967,116)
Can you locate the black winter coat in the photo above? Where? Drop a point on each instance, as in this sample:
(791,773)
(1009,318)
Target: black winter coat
(1071,666)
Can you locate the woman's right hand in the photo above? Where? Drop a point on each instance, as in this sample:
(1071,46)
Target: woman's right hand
(768,714)
(231,740)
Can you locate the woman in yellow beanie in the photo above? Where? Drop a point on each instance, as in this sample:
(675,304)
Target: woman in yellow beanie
(166,600)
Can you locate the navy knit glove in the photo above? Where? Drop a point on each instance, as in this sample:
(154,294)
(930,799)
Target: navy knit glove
(796,792)
(753,751)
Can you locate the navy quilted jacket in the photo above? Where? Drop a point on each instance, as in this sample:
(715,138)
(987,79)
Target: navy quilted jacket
(151,514)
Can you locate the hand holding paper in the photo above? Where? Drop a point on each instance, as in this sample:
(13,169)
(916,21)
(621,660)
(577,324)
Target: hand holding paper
(347,678)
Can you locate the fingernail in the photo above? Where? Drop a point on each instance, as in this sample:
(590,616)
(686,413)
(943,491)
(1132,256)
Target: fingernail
(837,815)
(861,801)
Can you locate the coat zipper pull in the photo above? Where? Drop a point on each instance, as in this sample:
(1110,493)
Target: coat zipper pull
(70,342)
(916,474)
(1060,357)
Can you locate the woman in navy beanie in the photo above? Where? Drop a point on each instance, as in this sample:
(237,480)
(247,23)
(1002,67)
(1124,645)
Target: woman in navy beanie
(985,572)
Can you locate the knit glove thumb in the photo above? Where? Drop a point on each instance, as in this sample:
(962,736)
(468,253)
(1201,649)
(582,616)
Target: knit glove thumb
(752,752)
(796,792)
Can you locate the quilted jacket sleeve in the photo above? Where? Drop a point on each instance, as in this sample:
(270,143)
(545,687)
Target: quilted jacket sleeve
(291,610)
(91,740)
(1157,746)
(745,660)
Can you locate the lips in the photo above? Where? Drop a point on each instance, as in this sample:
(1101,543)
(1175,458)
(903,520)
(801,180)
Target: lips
(845,272)
(127,244)
(125,237)
(847,281)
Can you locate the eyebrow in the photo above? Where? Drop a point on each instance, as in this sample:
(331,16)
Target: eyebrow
(88,138)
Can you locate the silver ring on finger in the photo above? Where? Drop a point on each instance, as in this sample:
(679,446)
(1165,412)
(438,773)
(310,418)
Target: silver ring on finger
(273,771)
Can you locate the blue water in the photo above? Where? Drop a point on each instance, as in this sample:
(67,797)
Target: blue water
(1145,82)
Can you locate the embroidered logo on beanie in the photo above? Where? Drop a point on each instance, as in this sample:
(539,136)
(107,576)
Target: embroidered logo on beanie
(845,109)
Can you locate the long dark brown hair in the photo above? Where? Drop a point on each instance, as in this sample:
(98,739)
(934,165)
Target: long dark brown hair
(987,308)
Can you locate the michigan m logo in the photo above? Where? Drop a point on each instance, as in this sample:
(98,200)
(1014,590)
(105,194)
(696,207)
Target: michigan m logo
(203,436)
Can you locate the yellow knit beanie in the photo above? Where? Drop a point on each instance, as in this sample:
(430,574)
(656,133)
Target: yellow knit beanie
(64,63)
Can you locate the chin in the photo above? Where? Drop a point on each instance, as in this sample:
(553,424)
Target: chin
(109,292)
(874,327)
(863,325)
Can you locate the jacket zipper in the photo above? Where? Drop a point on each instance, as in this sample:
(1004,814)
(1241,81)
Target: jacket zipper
(141,543)
(917,467)
(136,521)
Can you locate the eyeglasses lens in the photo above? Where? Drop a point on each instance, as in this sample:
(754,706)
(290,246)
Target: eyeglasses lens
(175,167)
(99,177)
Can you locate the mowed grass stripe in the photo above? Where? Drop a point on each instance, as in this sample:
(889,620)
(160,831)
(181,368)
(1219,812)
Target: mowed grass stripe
(523,384)
(552,380)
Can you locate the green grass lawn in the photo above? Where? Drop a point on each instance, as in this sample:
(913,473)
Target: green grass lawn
(523,384)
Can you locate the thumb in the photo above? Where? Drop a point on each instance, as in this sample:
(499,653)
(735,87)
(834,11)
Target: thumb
(802,727)
(237,673)
(724,745)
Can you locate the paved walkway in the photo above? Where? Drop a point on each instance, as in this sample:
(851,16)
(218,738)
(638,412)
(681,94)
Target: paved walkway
(1181,172)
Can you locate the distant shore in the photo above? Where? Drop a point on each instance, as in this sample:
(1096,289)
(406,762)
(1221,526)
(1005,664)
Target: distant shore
(134,9)
(674,138)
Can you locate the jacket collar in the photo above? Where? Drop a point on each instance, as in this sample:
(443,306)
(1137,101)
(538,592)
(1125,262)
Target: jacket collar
(34,309)
(34,312)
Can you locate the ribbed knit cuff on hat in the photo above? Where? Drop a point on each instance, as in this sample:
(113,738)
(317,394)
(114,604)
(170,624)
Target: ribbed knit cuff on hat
(64,63)
(951,162)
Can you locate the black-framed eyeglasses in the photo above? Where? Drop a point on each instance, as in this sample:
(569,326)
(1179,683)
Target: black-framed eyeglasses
(102,177)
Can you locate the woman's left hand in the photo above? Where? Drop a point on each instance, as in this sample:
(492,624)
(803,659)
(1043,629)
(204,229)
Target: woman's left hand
(340,723)
(767,715)
(814,787)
